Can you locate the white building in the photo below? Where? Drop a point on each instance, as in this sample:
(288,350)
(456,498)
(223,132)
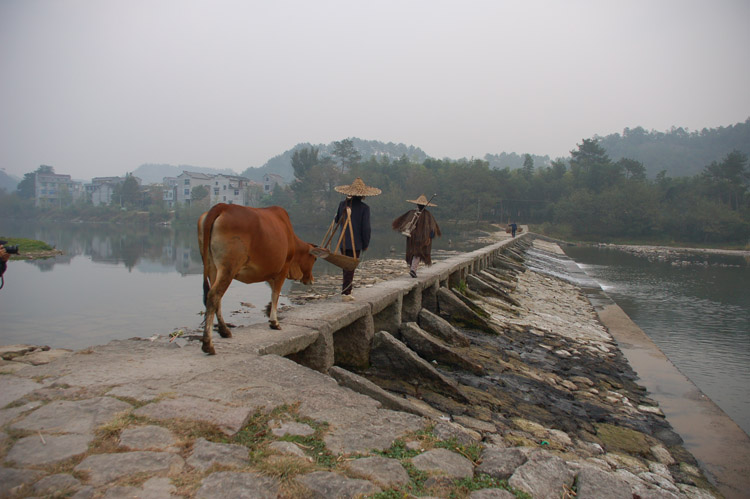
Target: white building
(101,189)
(52,189)
(230,189)
(270,181)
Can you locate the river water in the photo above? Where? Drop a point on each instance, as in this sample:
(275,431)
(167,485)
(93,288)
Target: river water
(117,282)
(695,307)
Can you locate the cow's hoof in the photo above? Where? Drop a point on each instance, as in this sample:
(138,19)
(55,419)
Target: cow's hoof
(274,325)
(225,334)
(209,349)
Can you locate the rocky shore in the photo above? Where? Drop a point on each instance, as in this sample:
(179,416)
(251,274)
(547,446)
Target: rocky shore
(513,388)
(676,256)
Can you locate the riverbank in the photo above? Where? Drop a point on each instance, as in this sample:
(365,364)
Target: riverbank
(546,405)
(672,254)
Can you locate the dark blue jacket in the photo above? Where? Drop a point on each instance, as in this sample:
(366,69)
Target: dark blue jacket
(360,223)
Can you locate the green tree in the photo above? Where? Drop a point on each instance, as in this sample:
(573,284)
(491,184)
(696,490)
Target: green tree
(127,193)
(729,178)
(592,168)
(198,193)
(528,166)
(632,169)
(303,160)
(347,154)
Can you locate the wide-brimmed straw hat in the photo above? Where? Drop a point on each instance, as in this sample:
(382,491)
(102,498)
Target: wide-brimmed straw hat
(421,200)
(358,188)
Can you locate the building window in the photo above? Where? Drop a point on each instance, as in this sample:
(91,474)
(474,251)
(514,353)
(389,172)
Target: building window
(187,181)
(225,187)
(187,192)
(236,192)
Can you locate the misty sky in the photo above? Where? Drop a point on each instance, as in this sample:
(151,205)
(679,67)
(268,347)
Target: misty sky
(99,87)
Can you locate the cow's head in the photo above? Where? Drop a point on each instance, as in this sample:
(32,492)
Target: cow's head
(302,264)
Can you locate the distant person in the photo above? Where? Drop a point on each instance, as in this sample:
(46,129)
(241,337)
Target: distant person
(420,228)
(360,215)
(513,229)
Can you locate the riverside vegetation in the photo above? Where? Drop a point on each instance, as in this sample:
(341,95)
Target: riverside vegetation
(589,196)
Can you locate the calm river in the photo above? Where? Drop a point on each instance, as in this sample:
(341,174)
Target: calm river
(696,310)
(118,282)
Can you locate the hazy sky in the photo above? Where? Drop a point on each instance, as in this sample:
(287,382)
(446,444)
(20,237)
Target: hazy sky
(99,87)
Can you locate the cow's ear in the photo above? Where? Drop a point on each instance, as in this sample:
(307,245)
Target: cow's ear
(295,272)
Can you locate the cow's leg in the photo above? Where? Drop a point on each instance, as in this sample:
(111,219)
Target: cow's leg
(224,330)
(273,319)
(213,305)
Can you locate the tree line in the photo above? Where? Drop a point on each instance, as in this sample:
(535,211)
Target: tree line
(588,196)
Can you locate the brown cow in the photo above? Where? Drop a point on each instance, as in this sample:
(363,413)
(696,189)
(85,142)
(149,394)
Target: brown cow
(249,245)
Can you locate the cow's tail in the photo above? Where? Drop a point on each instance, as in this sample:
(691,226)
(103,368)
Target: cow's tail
(208,225)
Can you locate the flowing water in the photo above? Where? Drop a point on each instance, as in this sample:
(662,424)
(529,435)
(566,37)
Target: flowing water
(696,308)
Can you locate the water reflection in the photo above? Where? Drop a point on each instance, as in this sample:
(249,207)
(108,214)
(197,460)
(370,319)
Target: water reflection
(118,282)
(168,249)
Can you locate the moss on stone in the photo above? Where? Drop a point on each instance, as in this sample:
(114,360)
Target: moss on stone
(617,438)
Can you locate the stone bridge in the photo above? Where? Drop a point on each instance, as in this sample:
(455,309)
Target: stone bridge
(327,333)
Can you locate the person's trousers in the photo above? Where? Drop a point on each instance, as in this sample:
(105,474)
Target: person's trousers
(415,263)
(346,284)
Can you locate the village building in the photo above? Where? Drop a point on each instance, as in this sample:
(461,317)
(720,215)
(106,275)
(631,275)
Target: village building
(101,189)
(230,189)
(52,189)
(270,181)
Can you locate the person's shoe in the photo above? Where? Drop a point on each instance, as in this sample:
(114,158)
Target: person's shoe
(412,273)
(347,298)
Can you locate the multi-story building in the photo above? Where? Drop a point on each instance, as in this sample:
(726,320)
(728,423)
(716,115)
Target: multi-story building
(52,189)
(101,189)
(170,191)
(270,181)
(185,184)
(230,189)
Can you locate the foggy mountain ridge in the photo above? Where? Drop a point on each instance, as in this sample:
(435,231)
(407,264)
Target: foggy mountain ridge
(678,151)
(282,164)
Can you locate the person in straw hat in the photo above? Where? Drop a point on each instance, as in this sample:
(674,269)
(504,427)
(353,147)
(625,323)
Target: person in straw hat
(360,213)
(421,228)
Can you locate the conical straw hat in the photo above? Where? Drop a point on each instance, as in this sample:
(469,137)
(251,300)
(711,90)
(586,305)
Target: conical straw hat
(358,188)
(421,200)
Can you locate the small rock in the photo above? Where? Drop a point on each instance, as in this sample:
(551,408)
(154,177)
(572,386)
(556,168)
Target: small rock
(387,473)
(239,485)
(289,449)
(207,454)
(445,463)
(325,485)
(147,437)
(293,428)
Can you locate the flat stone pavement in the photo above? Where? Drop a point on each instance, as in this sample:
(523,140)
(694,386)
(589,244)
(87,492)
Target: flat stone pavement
(57,407)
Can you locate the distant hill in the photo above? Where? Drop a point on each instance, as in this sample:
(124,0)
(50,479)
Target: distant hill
(679,152)
(7,182)
(154,174)
(282,164)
